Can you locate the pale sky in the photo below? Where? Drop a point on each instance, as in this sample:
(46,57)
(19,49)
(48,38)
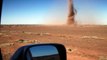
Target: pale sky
(53,12)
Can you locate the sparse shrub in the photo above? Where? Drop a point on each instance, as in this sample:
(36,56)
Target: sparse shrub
(21,41)
(43,34)
(35,41)
(103,58)
(6,44)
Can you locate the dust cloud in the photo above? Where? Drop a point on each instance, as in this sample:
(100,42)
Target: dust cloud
(71,13)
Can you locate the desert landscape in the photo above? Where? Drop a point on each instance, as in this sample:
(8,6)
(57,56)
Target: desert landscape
(83,42)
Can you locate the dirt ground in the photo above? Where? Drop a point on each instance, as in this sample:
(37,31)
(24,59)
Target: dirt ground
(81,42)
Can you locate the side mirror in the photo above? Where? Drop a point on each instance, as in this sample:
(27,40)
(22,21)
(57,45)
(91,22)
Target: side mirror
(40,52)
(47,52)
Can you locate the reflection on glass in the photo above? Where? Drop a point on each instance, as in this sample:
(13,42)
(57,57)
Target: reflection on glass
(47,52)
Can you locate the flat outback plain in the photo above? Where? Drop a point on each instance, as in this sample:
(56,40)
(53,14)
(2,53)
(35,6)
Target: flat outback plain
(83,42)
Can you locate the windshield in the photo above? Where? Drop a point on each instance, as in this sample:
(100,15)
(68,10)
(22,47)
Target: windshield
(80,25)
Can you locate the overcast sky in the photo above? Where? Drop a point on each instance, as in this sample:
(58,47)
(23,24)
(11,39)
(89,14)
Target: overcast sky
(53,11)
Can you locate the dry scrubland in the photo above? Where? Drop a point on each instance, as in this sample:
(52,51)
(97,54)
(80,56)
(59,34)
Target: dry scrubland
(81,42)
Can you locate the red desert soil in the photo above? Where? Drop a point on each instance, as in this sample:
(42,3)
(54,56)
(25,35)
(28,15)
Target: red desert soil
(81,42)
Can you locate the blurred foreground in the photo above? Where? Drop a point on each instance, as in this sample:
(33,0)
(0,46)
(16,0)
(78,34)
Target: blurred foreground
(81,42)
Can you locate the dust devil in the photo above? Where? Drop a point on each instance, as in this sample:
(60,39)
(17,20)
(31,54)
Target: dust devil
(71,13)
